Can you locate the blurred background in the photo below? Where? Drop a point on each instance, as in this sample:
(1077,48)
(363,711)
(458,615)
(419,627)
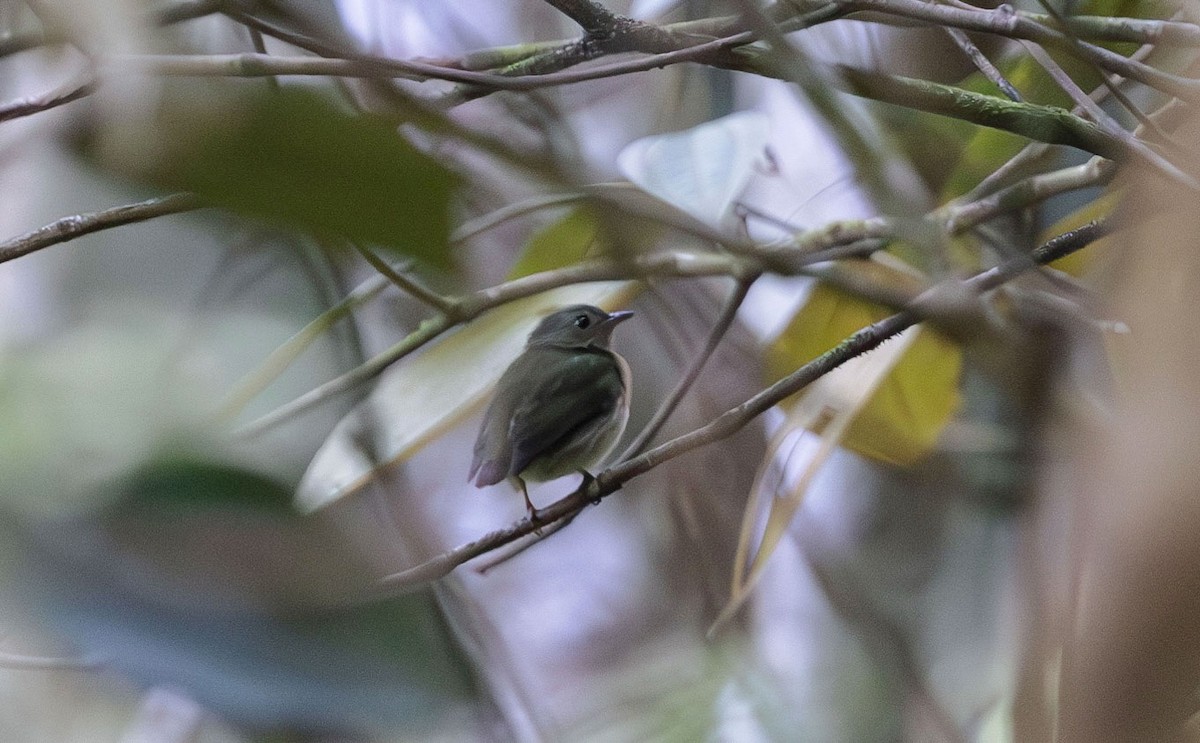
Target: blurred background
(237,392)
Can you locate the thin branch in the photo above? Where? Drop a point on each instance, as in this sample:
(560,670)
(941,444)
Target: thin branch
(982,63)
(729,422)
(1110,85)
(256,381)
(1035,152)
(407,284)
(60,96)
(1003,22)
(1083,101)
(800,256)
(481,224)
(592,17)
(724,321)
(1023,194)
(519,547)
(1047,124)
(69,228)
(260,47)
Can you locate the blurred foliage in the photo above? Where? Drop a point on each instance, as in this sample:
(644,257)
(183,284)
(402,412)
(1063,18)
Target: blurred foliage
(294,159)
(563,242)
(258,612)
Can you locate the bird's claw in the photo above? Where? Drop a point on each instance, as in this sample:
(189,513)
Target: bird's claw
(588,479)
(535,518)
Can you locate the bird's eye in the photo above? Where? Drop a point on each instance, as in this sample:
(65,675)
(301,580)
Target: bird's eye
(582,321)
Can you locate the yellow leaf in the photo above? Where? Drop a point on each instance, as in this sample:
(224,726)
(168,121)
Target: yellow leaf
(562,243)
(901,422)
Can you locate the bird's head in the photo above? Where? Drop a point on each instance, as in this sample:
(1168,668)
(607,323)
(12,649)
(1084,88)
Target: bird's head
(577,326)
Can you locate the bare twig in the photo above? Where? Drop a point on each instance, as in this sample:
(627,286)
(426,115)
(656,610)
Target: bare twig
(1025,193)
(164,15)
(724,320)
(592,17)
(60,96)
(1004,22)
(799,257)
(520,546)
(1035,152)
(260,46)
(1110,85)
(69,228)
(408,284)
(279,359)
(982,63)
(21,661)
(1102,119)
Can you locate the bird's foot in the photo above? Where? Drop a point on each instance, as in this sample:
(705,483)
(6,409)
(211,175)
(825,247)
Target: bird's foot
(588,479)
(535,518)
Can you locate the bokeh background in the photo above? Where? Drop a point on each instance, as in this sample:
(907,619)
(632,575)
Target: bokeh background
(1000,547)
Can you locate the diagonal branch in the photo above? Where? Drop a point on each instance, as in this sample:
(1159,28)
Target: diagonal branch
(69,228)
(60,96)
(595,19)
(726,318)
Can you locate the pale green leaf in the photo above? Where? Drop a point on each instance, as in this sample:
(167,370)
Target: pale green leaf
(700,170)
(563,243)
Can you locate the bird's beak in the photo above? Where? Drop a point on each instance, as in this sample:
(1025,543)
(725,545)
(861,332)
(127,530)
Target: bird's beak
(616,317)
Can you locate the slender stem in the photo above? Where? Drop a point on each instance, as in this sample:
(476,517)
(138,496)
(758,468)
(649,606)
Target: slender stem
(1106,122)
(165,15)
(982,63)
(724,321)
(1036,152)
(260,47)
(60,96)
(482,224)
(1022,194)
(1004,22)
(592,17)
(255,382)
(18,661)
(746,258)
(69,228)
(408,284)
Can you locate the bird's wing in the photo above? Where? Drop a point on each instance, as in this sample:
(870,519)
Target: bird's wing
(588,387)
(493,452)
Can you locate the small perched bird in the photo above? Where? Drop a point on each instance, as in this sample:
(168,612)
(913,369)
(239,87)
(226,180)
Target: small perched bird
(560,407)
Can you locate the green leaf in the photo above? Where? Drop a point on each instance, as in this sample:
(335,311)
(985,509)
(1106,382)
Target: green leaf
(902,421)
(293,159)
(190,482)
(562,243)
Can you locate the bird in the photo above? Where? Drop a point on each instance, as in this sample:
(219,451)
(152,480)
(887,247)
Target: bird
(559,408)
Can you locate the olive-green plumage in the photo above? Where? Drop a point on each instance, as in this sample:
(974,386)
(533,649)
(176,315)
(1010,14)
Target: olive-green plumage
(560,407)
